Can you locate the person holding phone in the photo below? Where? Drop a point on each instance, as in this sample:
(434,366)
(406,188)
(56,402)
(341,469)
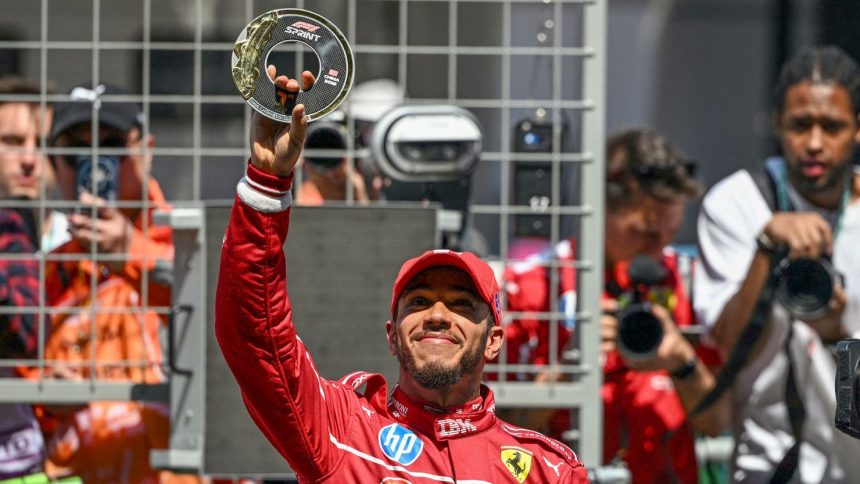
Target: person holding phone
(102,156)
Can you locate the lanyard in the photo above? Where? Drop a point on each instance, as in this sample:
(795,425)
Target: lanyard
(776,167)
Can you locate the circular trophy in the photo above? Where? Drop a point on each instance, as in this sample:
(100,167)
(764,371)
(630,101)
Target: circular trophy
(250,59)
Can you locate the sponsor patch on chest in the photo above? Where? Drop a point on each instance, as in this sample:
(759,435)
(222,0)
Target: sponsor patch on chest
(400,444)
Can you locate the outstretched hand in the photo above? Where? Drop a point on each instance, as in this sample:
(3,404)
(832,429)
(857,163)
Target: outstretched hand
(276,146)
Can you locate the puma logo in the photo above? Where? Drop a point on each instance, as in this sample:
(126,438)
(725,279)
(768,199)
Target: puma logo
(554,467)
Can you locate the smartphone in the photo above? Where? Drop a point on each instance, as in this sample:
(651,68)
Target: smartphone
(98,177)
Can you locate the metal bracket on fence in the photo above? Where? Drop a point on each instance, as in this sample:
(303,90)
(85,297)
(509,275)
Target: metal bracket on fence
(186,345)
(171,338)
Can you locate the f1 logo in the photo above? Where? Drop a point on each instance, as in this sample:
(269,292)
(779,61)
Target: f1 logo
(400,444)
(306,26)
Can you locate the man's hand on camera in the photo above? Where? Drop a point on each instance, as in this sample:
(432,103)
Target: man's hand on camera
(805,234)
(674,350)
(608,326)
(830,326)
(111,231)
(276,146)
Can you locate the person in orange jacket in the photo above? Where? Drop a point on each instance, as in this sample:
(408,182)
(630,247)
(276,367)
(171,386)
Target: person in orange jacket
(107,328)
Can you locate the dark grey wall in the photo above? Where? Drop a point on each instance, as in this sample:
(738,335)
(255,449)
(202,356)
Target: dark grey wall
(697,71)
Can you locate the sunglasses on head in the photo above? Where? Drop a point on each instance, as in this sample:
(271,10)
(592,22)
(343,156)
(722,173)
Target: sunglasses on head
(655,171)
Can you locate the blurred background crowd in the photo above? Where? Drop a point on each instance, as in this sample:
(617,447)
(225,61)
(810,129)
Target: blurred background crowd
(633,170)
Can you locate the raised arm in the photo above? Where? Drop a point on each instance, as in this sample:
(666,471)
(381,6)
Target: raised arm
(290,403)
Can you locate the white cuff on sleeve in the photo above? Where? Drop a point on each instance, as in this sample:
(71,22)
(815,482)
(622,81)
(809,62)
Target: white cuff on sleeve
(262,198)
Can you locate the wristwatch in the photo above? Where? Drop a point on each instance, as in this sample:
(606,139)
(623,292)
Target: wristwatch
(764,244)
(685,371)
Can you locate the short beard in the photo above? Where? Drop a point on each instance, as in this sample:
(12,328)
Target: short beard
(806,186)
(434,375)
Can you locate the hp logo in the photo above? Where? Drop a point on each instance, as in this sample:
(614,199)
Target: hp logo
(400,444)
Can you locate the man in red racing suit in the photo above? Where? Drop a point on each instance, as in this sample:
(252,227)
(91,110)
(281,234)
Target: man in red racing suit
(439,423)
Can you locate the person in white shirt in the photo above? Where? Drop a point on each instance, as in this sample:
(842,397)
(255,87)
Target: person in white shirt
(815,188)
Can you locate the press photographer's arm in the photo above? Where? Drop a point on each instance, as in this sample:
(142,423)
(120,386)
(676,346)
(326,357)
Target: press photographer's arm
(803,235)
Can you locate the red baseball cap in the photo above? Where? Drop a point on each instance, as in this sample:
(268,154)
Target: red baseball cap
(482,276)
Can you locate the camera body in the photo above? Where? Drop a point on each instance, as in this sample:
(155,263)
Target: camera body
(639,331)
(533,180)
(805,287)
(98,177)
(427,154)
(416,143)
(847,386)
(532,145)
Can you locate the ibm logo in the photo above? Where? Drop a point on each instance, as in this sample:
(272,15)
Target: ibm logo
(451,426)
(400,444)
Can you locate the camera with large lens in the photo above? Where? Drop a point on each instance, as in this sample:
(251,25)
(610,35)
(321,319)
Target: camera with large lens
(805,287)
(847,386)
(427,154)
(326,136)
(639,330)
(427,143)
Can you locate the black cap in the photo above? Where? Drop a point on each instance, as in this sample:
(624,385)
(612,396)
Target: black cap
(79,109)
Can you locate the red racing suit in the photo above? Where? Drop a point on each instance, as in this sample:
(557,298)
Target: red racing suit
(327,430)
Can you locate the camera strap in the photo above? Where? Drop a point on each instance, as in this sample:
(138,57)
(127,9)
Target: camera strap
(796,415)
(767,184)
(743,347)
(767,181)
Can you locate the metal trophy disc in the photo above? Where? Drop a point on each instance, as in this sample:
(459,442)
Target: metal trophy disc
(250,59)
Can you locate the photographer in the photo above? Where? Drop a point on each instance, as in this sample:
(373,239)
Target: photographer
(800,207)
(109,313)
(646,396)
(327,175)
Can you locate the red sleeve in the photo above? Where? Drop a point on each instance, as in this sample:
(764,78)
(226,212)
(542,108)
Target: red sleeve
(298,411)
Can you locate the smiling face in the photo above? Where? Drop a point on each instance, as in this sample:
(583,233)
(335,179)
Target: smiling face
(819,132)
(444,332)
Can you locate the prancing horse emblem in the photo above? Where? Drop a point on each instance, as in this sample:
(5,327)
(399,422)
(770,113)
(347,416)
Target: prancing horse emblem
(518,461)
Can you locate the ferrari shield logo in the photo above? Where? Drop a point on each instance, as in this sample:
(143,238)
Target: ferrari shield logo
(518,461)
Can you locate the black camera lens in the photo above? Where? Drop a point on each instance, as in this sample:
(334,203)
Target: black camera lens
(639,332)
(326,136)
(805,287)
(531,138)
(432,151)
(534,138)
